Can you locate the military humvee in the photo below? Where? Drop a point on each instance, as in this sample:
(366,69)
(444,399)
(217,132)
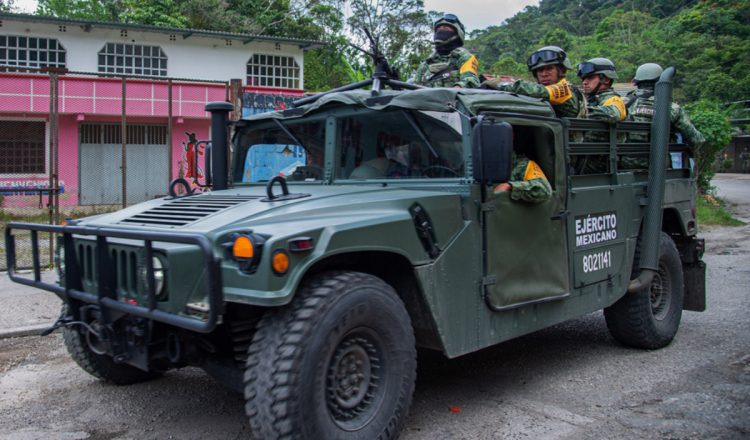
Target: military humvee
(342,234)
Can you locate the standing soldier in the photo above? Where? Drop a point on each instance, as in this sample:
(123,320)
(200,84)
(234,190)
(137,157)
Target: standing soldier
(640,105)
(597,76)
(450,65)
(603,103)
(549,66)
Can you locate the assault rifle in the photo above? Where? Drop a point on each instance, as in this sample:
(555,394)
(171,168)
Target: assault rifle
(383,75)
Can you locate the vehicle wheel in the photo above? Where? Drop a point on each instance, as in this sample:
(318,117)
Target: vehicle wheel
(339,362)
(101,365)
(649,319)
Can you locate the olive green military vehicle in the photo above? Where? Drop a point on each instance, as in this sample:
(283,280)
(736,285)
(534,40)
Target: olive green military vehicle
(341,234)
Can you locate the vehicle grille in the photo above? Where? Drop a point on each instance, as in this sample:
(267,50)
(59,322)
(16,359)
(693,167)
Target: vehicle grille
(183,211)
(125,264)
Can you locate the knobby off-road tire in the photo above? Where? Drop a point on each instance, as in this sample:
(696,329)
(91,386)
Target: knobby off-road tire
(339,362)
(650,319)
(102,366)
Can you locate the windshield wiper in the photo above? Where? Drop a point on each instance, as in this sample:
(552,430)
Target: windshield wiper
(289,133)
(415,125)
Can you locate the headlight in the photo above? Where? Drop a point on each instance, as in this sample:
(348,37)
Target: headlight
(60,260)
(159,276)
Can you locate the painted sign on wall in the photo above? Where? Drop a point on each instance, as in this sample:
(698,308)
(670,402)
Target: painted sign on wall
(26,187)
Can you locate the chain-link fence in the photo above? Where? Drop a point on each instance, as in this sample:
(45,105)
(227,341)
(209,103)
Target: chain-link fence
(77,143)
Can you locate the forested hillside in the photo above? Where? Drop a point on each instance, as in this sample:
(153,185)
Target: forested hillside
(707,41)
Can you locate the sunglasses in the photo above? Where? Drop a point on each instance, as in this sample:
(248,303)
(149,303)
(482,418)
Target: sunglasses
(544,56)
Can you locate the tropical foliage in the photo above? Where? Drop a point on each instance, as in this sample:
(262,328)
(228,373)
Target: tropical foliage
(708,41)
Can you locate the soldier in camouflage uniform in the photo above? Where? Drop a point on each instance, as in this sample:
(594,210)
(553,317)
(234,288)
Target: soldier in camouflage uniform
(527,181)
(640,105)
(450,65)
(549,66)
(597,76)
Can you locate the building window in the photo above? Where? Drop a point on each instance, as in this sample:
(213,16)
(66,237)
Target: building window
(132,59)
(22,51)
(273,71)
(22,147)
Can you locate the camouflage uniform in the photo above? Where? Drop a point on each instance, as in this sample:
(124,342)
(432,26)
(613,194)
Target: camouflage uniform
(458,68)
(528,182)
(641,109)
(606,105)
(565,98)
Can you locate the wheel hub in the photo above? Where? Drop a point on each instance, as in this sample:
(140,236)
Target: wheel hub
(659,294)
(352,380)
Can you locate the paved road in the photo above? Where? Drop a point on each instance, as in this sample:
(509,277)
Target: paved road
(571,381)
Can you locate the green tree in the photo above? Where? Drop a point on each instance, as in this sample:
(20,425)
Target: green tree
(711,120)
(7,5)
(98,10)
(507,66)
(154,12)
(401,28)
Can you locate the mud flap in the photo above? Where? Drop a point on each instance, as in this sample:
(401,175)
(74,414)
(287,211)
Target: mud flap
(695,286)
(694,274)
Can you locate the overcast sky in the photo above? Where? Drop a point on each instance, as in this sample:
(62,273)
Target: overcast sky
(479,14)
(474,14)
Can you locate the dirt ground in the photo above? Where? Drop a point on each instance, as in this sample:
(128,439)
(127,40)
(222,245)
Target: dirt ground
(571,381)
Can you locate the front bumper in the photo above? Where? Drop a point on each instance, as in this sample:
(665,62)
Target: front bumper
(106,295)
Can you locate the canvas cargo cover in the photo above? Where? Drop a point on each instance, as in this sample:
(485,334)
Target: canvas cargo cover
(429,99)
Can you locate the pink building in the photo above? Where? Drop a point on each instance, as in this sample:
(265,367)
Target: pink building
(91,59)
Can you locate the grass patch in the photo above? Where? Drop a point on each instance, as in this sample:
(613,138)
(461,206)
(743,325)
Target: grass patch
(712,211)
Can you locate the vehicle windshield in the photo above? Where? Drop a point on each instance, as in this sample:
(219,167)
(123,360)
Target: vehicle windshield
(290,149)
(388,144)
(400,144)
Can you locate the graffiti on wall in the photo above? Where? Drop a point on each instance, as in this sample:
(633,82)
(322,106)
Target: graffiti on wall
(192,150)
(27,187)
(253,103)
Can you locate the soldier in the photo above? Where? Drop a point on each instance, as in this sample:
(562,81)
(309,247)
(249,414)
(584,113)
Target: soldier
(640,105)
(549,66)
(597,76)
(527,181)
(450,65)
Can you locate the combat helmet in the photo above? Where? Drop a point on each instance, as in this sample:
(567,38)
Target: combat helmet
(548,55)
(452,21)
(649,72)
(601,66)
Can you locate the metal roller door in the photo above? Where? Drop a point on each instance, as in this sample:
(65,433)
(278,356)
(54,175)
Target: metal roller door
(101,163)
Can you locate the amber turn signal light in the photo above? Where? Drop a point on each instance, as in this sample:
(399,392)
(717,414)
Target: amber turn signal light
(280,262)
(243,248)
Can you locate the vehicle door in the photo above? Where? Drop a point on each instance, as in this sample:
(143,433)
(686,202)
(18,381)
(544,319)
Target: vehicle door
(526,258)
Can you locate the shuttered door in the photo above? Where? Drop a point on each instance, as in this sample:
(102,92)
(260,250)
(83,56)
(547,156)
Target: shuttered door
(101,160)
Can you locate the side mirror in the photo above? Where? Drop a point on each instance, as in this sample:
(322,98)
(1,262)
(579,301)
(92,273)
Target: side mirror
(492,151)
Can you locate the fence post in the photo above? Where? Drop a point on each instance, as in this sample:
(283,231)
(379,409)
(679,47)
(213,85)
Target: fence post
(124,136)
(52,199)
(235,89)
(169,130)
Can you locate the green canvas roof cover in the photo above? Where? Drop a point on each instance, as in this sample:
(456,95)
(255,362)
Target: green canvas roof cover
(430,99)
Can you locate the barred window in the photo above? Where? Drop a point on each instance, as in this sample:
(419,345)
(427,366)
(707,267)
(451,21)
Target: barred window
(23,51)
(22,147)
(132,59)
(273,71)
